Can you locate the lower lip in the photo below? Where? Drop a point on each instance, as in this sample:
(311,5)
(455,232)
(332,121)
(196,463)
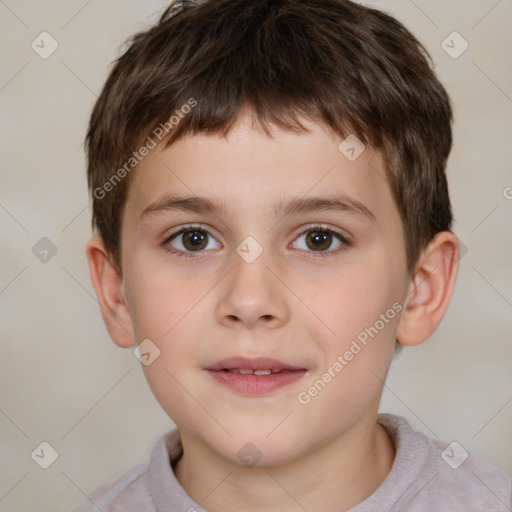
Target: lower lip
(254,385)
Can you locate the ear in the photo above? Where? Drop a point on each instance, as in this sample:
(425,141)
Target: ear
(108,283)
(430,290)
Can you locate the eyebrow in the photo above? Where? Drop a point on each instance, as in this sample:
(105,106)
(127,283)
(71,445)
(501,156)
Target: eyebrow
(286,206)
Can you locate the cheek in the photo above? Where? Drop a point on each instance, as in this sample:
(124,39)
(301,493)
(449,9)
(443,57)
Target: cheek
(158,296)
(151,308)
(353,301)
(162,310)
(166,308)
(354,361)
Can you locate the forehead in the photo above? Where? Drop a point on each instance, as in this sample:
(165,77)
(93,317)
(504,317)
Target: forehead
(248,170)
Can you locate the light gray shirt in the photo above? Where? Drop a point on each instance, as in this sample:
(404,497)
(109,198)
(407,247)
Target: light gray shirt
(427,475)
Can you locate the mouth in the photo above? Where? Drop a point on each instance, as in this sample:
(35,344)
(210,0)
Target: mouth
(259,376)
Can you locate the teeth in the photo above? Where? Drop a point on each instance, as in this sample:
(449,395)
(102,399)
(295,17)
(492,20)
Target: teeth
(262,372)
(253,372)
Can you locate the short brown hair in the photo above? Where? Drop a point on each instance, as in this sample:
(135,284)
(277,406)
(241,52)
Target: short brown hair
(353,68)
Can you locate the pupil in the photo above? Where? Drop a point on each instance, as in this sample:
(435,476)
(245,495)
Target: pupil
(320,240)
(194,239)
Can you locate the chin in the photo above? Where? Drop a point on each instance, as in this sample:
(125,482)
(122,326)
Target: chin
(256,448)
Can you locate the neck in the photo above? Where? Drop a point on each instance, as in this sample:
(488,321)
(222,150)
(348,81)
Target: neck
(336,476)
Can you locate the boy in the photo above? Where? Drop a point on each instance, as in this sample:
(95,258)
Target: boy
(269,191)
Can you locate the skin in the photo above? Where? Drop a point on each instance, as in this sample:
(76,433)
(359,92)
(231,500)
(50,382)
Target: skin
(300,306)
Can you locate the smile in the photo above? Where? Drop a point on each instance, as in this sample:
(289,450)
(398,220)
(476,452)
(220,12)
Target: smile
(254,377)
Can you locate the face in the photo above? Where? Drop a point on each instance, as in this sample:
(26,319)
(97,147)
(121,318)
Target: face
(270,274)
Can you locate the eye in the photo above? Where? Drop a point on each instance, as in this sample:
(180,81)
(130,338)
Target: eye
(191,239)
(320,240)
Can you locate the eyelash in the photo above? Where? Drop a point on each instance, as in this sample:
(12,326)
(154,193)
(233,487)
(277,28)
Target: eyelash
(194,254)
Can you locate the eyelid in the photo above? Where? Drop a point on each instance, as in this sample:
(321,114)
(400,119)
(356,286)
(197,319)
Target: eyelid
(321,227)
(187,227)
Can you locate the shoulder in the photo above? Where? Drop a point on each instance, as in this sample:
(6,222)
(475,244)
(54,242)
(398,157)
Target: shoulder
(147,487)
(466,479)
(447,476)
(131,489)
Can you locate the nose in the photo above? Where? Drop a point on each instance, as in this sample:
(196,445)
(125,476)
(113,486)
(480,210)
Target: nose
(253,296)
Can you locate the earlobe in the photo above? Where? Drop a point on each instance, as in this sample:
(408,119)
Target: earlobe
(430,290)
(109,286)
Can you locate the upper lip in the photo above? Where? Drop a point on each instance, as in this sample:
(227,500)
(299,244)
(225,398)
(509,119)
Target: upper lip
(257,363)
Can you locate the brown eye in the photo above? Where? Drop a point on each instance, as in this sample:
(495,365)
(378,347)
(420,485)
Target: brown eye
(192,240)
(320,240)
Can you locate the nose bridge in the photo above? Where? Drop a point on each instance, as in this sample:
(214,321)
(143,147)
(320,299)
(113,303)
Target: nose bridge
(252,293)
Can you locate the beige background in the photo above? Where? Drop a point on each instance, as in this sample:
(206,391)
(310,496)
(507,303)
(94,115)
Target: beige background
(61,378)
